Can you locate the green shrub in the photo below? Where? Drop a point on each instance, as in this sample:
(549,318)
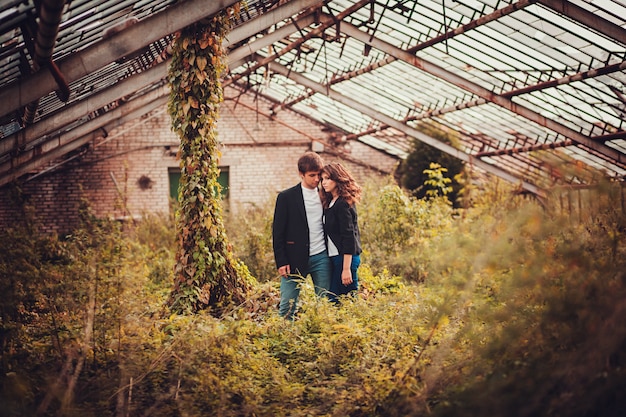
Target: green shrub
(398,230)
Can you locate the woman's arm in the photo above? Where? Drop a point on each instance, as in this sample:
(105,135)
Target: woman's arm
(346,272)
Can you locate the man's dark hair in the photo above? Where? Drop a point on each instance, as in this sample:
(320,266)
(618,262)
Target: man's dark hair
(310,161)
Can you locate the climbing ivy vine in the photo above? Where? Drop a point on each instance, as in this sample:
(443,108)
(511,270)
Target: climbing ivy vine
(206,274)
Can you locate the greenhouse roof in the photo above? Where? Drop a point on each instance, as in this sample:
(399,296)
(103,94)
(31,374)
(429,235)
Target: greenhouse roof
(531,91)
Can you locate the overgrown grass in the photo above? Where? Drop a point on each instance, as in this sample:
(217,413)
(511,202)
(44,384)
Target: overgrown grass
(503,309)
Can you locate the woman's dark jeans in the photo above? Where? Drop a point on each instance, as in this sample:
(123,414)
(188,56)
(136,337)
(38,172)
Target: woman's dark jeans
(336,286)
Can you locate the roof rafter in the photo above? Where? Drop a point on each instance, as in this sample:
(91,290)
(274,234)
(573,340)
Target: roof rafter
(484,98)
(583,16)
(484,93)
(36,134)
(66,142)
(330,21)
(108,50)
(525,83)
(374,114)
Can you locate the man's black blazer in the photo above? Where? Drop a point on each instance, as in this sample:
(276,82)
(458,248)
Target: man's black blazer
(290,231)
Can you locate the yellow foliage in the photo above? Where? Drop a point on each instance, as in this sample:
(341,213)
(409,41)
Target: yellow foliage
(512,319)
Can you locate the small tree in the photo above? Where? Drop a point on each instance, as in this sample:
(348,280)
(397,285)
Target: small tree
(412,173)
(206,273)
(438,183)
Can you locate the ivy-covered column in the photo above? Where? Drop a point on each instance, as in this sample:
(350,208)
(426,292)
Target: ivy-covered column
(206,273)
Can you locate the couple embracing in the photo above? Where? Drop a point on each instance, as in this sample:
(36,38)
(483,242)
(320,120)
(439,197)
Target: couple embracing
(315,232)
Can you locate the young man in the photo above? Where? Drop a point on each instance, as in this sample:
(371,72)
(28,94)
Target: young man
(298,236)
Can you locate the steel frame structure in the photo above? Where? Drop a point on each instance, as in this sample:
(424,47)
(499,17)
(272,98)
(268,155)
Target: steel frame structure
(534,91)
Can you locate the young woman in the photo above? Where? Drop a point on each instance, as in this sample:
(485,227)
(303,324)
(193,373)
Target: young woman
(340,193)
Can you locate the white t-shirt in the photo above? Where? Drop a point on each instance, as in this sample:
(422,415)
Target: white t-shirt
(314,213)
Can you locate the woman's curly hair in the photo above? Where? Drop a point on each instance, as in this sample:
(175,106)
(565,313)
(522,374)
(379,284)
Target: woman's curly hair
(348,188)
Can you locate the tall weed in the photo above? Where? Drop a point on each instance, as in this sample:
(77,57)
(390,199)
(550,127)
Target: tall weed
(251,235)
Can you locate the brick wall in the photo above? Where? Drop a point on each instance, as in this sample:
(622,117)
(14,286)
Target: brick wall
(125,173)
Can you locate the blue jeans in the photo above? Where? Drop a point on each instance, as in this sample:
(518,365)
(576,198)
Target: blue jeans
(336,286)
(319,268)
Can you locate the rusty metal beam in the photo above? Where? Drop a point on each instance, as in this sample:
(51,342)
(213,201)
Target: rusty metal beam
(584,75)
(96,56)
(33,135)
(314,32)
(266,21)
(383,118)
(526,149)
(610,136)
(609,69)
(577,13)
(482,92)
(483,20)
(65,142)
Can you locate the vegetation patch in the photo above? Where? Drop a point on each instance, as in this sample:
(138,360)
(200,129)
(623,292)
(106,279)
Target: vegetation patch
(505,308)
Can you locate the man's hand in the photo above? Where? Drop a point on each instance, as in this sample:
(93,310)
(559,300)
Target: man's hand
(284,270)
